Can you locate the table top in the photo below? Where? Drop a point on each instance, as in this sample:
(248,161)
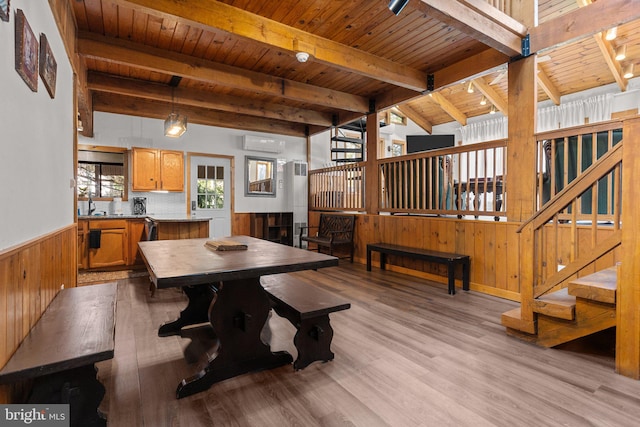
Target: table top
(177,263)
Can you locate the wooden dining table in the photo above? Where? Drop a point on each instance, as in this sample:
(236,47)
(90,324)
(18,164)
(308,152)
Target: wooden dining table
(223,289)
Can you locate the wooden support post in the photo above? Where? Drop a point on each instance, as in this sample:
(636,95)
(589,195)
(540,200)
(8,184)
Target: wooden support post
(628,293)
(372,181)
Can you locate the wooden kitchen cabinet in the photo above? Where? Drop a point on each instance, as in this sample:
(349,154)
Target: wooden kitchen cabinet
(83,244)
(157,169)
(114,243)
(136,234)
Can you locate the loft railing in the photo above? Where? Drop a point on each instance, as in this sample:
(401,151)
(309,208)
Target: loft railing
(465,180)
(502,5)
(565,240)
(337,188)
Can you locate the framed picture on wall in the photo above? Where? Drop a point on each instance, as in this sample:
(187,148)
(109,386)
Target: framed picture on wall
(48,66)
(4,10)
(26,52)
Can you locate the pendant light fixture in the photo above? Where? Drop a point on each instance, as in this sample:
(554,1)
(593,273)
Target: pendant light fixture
(175,125)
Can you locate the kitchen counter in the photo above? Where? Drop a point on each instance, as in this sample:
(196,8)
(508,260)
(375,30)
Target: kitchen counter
(156,218)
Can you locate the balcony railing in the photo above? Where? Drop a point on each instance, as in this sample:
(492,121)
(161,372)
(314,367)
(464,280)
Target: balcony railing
(337,188)
(466,180)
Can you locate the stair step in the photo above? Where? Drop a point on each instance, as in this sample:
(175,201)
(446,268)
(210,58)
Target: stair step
(347,139)
(557,304)
(512,319)
(599,286)
(346,150)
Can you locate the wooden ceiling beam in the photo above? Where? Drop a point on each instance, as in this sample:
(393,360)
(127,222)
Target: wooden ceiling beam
(238,22)
(124,52)
(457,14)
(138,107)
(608,53)
(494,14)
(583,22)
(492,96)
(416,117)
(468,68)
(197,98)
(449,108)
(547,86)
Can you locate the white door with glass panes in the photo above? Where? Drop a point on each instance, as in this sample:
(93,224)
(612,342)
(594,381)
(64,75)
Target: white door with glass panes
(210,183)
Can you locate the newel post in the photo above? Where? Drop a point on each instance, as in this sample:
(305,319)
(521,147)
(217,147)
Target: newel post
(628,291)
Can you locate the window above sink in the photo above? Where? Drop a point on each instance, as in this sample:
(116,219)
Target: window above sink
(102,173)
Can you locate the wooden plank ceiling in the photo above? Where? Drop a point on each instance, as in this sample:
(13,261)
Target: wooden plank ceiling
(232,63)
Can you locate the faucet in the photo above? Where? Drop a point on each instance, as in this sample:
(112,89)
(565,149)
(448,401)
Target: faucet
(92,206)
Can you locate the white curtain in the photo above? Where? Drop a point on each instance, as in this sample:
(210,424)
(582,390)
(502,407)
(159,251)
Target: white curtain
(597,109)
(488,130)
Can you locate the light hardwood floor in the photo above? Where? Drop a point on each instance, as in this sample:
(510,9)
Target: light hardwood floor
(407,354)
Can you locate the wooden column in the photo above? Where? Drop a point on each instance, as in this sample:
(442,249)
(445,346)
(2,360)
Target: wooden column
(628,293)
(521,146)
(521,164)
(372,182)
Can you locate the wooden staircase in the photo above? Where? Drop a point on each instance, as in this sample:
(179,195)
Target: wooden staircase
(586,306)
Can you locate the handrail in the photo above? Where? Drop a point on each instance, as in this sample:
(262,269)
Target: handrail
(561,200)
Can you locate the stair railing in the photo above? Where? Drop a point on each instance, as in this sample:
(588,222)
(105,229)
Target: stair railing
(564,243)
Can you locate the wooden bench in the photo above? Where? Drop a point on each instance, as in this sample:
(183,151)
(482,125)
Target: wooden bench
(450,259)
(307,307)
(334,231)
(58,355)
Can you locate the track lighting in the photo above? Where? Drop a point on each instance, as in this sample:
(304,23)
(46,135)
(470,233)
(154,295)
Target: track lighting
(621,52)
(627,72)
(470,88)
(483,101)
(396,6)
(493,109)
(611,33)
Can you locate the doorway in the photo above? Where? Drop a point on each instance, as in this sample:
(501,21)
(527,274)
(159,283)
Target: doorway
(210,191)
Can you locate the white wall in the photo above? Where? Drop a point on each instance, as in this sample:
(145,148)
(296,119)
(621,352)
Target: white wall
(126,131)
(36,160)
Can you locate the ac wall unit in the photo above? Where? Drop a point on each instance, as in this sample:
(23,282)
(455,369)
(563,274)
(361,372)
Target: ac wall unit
(259,143)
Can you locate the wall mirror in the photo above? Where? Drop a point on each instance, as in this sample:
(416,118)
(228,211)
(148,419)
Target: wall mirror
(260,176)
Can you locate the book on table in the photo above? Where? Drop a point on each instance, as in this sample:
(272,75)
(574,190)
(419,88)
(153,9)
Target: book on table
(225,245)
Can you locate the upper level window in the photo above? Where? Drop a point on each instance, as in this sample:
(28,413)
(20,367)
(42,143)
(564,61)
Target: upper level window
(102,174)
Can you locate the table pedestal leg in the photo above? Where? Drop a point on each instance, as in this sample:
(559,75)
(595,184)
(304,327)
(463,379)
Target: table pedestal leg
(237,314)
(197,310)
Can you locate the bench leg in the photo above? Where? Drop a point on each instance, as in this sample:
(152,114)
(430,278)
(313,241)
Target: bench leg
(465,275)
(313,341)
(77,387)
(451,269)
(368,259)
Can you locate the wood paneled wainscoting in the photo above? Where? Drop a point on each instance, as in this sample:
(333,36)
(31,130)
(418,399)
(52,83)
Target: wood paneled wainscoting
(494,248)
(30,276)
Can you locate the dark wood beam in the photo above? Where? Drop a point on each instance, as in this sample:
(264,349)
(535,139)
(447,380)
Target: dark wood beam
(238,22)
(138,107)
(197,98)
(456,14)
(159,60)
